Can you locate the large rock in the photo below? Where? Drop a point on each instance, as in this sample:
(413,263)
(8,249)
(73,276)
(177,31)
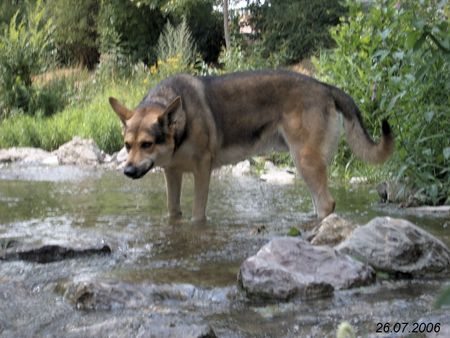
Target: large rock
(397,245)
(332,230)
(287,267)
(79,152)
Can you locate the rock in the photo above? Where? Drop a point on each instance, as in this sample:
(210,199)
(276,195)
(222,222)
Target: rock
(288,267)
(79,152)
(241,168)
(52,160)
(398,246)
(92,294)
(400,193)
(26,155)
(141,326)
(273,174)
(122,155)
(39,252)
(440,210)
(332,230)
(358,180)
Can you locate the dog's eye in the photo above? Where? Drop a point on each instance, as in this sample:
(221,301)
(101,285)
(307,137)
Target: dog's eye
(127,146)
(146,145)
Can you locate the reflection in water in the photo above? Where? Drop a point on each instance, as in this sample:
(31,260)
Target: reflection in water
(78,206)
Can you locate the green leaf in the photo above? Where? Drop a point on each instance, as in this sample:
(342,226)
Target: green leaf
(420,42)
(411,38)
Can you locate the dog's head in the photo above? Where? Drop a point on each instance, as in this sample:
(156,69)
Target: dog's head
(150,134)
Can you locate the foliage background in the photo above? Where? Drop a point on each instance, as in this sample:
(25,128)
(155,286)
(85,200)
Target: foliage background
(394,59)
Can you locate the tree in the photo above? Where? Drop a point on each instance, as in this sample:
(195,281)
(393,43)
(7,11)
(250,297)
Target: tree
(79,44)
(226,25)
(296,29)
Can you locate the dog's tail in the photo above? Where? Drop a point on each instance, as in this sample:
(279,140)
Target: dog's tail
(357,137)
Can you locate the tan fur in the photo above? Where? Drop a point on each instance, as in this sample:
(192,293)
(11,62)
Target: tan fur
(195,124)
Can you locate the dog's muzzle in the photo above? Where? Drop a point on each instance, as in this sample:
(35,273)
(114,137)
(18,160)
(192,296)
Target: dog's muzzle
(135,172)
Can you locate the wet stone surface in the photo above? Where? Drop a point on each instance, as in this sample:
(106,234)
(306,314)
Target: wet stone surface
(176,280)
(291,267)
(396,245)
(48,253)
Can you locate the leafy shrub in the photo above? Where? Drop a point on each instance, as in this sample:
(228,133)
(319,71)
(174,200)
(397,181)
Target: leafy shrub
(240,58)
(25,47)
(394,60)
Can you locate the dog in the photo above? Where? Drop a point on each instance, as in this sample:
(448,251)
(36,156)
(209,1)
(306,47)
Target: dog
(195,124)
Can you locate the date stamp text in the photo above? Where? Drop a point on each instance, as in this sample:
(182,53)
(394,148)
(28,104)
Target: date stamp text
(407,327)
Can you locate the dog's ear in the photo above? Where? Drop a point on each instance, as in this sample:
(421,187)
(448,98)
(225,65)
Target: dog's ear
(123,112)
(174,116)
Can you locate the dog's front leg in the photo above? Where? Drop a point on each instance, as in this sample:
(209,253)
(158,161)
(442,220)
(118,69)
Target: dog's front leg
(202,175)
(173,188)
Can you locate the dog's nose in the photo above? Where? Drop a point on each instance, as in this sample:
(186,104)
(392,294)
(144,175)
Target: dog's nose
(130,171)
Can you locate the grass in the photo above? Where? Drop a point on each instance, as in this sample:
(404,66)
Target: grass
(89,116)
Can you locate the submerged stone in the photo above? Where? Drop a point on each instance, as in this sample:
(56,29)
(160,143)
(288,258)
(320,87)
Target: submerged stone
(14,249)
(144,325)
(167,303)
(398,246)
(289,267)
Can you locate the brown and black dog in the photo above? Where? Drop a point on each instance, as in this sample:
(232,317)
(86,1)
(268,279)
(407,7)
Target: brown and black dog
(195,124)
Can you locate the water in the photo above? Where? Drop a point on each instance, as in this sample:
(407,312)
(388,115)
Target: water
(162,275)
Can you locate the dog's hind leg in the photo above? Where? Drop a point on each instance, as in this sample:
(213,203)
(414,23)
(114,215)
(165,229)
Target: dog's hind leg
(173,188)
(312,167)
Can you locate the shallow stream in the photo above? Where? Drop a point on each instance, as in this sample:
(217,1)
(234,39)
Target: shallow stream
(169,279)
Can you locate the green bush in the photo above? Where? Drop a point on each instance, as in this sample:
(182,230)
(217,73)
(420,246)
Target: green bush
(241,58)
(25,51)
(394,60)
